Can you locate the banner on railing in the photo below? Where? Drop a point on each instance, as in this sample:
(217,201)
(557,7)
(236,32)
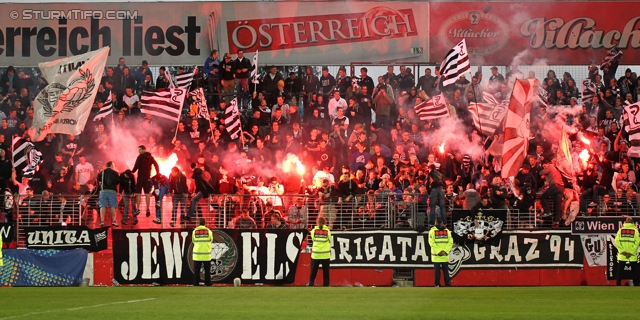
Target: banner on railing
(65,238)
(409,249)
(41,268)
(483,226)
(165,257)
(599,225)
(8,232)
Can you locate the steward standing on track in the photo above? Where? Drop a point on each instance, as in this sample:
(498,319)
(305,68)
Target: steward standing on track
(627,241)
(202,238)
(320,252)
(1,263)
(441,242)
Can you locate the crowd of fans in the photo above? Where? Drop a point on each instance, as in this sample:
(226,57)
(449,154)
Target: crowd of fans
(358,138)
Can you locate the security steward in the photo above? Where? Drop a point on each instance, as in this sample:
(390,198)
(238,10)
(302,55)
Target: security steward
(627,241)
(1,263)
(441,242)
(320,251)
(202,239)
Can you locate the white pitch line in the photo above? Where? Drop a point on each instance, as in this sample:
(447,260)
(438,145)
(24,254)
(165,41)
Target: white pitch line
(78,308)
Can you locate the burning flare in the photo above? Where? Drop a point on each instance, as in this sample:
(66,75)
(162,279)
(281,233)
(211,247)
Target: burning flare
(584,156)
(292,164)
(166,164)
(585,140)
(441,148)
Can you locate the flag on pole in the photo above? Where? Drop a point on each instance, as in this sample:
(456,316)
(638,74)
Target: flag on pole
(488,116)
(184,80)
(516,127)
(165,104)
(455,64)
(107,109)
(564,160)
(613,55)
(25,157)
(434,108)
(197,98)
(589,90)
(631,118)
(232,119)
(543,96)
(64,105)
(254,72)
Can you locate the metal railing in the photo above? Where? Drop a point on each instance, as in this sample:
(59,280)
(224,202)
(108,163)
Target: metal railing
(364,211)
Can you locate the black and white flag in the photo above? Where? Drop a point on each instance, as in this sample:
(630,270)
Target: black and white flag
(613,55)
(165,104)
(254,73)
(455,64)
(232,119)
(487,117)
(184,80)
(197,98)
(65,104)
(107,109)
(433,108)
(543,96)
(589,90)
(25,157)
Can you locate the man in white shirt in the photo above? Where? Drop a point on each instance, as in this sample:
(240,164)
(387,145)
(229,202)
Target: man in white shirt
(84,171)
(130,99)
(335,103)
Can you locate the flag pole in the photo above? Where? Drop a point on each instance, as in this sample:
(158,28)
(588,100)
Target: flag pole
(475,98)
(241,132)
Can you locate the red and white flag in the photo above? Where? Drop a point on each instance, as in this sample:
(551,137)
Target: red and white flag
(516,127)
(433,108)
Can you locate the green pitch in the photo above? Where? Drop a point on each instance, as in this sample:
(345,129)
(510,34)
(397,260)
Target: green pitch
(319,303)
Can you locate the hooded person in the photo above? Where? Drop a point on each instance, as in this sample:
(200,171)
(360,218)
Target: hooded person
(203,189)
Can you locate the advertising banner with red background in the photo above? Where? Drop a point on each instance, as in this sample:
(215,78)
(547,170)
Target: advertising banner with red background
(571,33)
(184,33)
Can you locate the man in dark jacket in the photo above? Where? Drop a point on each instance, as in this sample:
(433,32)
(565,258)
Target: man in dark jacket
(587,181)
(243,68)
(143,165)
(203,189)
(178,188)
(436,196)
(109,180)
(128,189)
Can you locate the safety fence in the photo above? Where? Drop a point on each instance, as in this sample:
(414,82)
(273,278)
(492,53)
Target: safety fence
(365,211)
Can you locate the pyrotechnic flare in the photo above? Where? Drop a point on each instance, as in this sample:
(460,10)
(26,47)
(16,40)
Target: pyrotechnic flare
(292,164)
(585,140)
(441,148)
(584,156)
(166,164)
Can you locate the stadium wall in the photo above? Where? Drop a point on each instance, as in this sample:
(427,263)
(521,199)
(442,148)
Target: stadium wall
(587,276)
